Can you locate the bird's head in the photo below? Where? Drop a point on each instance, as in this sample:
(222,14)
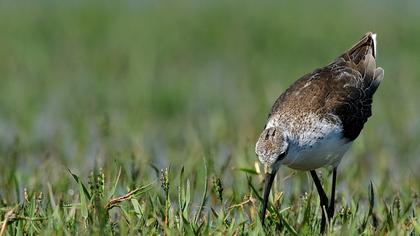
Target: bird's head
(271,147)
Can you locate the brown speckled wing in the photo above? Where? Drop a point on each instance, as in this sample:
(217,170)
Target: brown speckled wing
(344,88)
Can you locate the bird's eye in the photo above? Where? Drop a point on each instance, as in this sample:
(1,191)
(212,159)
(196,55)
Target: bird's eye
(281,156)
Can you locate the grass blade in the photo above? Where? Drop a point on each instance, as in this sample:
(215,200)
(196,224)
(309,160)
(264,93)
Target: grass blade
(83,202)
(204,198)
(112,192)
(75,177)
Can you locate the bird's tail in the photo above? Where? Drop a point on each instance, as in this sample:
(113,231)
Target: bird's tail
(366,46)
(363,58)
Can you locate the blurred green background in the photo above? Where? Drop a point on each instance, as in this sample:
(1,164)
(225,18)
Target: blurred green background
(157,83)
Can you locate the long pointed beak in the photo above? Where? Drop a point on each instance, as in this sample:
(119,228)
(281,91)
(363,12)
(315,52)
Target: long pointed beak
(269,177)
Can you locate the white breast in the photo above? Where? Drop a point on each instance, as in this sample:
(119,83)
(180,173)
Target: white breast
(316,144)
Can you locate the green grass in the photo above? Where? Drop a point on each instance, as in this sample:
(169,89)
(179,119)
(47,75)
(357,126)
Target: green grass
(141,117)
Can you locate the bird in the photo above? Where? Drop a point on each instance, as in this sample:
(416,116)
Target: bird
(315,121)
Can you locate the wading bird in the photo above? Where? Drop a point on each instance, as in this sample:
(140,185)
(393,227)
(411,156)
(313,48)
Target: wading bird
(315,121)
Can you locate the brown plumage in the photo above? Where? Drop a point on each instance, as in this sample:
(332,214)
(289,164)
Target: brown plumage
(314,122)
(344,88)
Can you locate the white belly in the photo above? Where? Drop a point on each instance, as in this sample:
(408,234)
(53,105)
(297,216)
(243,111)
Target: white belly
(321,144)
(328,153)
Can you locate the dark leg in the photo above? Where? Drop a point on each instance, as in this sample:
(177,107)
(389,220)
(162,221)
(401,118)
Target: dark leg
(330,210)
(322,197)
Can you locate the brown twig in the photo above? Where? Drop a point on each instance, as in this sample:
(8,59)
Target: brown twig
(115,201)
(249,200)
(9,215)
